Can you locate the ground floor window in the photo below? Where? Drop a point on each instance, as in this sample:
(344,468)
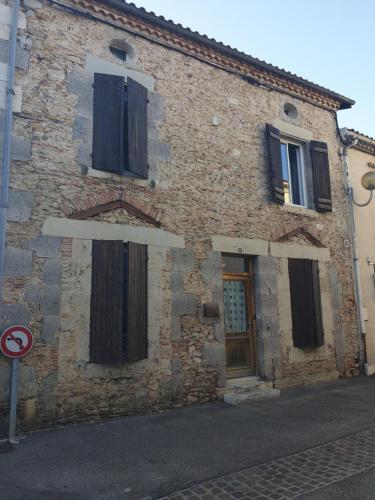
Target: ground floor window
(118,319)
(305,303)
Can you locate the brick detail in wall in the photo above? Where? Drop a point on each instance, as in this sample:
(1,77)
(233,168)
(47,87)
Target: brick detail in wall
(105,202)
(313,235)
(301,231)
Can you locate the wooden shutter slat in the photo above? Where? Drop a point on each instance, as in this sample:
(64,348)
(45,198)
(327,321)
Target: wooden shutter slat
(108,127)
(136,335)
(275,166)
(325,200)
(319,333)
(322,182)
(302,303)
(106,319)
(137,129)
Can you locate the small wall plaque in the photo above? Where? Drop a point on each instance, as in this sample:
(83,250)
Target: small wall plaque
(211,310)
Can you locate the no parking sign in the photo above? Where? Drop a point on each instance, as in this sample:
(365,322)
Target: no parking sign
(16,341)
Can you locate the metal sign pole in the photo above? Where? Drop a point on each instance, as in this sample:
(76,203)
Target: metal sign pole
(13,400)
(15,342)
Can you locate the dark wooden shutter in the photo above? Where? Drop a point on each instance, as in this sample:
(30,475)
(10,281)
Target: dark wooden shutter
(305,303)
(136,331)
(322,182)
(319,333)
(136,129)
(275,166)
(108,131)
(106,324)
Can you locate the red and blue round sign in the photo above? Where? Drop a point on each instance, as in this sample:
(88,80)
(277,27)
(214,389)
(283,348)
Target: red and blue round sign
(16,341)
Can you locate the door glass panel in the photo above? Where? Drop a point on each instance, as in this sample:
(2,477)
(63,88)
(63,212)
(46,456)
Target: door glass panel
(238,353)
(235,264)
(235,310)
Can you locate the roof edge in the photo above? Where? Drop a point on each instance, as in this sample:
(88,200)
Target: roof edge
(140,12)
(363,143)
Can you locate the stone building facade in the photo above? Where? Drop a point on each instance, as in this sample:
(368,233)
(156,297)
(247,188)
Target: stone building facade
(207,197)
(361,159)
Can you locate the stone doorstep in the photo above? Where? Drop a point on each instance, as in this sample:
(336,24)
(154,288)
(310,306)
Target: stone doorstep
(246,389)
(242,384)
(237,398)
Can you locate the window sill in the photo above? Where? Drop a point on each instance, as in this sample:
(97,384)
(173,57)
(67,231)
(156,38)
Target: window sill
(294,209)
(100,174)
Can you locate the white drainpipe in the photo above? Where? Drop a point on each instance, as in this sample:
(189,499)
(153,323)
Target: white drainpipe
(7,138)
(357,278)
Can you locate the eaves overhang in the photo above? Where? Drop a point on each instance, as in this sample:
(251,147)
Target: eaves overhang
(178,29)
(363,142)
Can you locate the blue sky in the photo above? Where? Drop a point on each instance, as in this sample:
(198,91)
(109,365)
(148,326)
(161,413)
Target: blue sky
(330,42)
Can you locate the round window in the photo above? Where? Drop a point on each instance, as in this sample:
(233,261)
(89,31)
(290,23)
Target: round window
(290,110)
(122,50)
(119,53)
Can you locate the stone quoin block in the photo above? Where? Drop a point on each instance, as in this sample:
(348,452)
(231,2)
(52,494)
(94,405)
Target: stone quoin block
(22,53)
(84,155)
(44,246)
(50,300)
(52,271)
(183,259)
(18,262)
(20,149)
(50,325)
(20,205)
(27,382)
(4,47)
(177,378)
(32,293)
(33,4)
(12,314)
(82,128)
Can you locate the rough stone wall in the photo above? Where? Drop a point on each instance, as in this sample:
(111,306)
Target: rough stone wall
(208,176)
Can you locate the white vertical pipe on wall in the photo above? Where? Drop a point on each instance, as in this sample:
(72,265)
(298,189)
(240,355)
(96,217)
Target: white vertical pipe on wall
(357,277)
(7,137)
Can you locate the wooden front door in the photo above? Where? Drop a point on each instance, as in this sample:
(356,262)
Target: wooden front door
(239,316)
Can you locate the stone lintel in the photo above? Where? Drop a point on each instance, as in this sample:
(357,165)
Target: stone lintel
(93,230)
(240,245)
(299,252)
(95,64)
(293,130)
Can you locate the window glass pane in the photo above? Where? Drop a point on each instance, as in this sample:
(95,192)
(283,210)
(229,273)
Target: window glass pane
(235,311)
(235,264)
(284,161)
(294,174)
(285,169)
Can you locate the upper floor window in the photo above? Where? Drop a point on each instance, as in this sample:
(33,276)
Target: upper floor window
(120,126)
(293,170)
(294,179)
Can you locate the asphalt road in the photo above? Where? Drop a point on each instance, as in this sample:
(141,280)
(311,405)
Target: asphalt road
(151,456)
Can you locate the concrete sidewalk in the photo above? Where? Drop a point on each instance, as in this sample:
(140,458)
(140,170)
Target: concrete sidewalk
(153,456)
